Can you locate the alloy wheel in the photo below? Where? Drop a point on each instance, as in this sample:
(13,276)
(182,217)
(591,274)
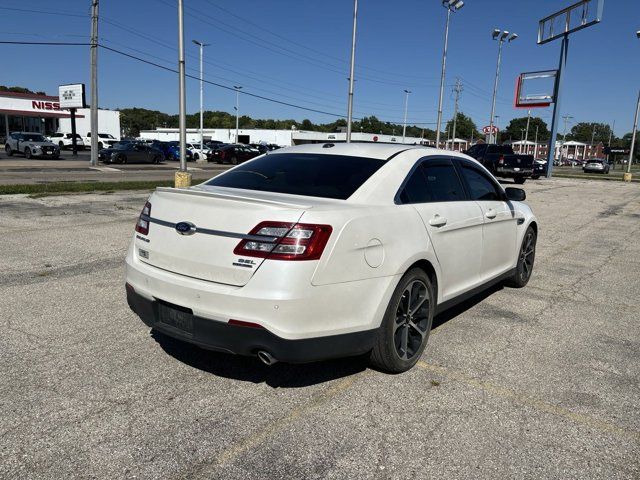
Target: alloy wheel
(527,255)
(412,319)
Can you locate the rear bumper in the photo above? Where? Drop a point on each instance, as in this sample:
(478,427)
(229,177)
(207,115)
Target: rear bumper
(240,340)
(511,172)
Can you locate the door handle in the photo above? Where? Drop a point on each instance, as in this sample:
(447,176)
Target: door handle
(437,221)
(491,213)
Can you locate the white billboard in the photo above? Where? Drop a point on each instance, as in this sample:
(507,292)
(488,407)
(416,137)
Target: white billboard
(72,96)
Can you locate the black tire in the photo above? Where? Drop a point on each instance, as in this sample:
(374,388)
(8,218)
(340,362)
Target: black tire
(535,177)
(402,338)
(119,159)
(156,159)
(234,160)
(519,180)
(27,153)
(56,157)
(8,150)
(526,258)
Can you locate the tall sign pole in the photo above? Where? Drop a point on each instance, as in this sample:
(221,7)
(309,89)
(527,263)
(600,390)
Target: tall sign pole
(352,70)
(555,119)
(627,175)
(94,83)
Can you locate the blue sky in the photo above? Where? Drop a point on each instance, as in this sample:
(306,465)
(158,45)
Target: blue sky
(298,52)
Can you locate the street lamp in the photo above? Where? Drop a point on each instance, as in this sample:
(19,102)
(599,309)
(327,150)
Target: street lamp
(406,103)
(500,36)
(238,88)
(451,6)
(201,45)
(182,176)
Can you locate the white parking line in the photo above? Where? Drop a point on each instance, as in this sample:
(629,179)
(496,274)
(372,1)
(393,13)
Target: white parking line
(106,169)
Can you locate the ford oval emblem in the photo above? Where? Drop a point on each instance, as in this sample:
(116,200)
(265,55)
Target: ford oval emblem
(185,228)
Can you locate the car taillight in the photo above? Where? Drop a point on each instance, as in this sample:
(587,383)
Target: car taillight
(142,226)
(501,160)
(221,153)
(285,241)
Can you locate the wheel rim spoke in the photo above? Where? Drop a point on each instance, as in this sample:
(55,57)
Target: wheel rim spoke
(411,322)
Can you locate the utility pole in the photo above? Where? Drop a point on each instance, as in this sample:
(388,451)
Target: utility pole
(238,88)
(535,148)
(182,176)
(564,134)
(526,134)
(457,89)
(352,70)
(610,134)
(94,82)
(627,175)
(201,158)
(406,104)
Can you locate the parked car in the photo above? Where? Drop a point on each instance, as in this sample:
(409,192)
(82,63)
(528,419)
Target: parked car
(65,140)
(164,147)
(105,140)
(326,251)
(194,149)
(129,152)
(539,168)
(502,162)
(234,154)
(174,152)
(31,144)
(596,165)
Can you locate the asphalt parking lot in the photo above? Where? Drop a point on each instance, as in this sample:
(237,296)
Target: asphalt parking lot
(542,382)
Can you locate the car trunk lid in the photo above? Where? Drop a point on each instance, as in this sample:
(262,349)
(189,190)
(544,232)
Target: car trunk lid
(220,219)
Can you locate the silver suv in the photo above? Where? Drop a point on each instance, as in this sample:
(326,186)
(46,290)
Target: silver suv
(31,144)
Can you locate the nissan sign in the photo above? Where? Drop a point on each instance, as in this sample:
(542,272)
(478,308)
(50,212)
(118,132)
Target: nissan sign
(72,96)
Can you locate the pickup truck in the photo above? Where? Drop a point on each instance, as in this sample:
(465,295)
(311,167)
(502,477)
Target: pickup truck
(502,162)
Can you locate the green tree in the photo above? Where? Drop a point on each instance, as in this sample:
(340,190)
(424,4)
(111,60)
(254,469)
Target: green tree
(465,127)
(582,132)
(517,125)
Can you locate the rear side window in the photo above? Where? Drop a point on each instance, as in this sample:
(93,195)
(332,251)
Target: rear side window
(480,185)
(327,176)
(433,181)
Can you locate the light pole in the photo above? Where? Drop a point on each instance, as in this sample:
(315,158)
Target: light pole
(495,124)
(182,176)
(201,45)
(526,134)
(500,36)
(535,147)
(406,104)
(627,175)
(564,135)
(352,70)
(238,88)
(94,84)
(451,6)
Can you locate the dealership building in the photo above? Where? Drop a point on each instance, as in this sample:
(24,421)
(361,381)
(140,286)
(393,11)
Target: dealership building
(30,112)
(284,138)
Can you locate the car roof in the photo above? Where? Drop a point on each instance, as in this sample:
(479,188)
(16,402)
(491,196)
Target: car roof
(381,151)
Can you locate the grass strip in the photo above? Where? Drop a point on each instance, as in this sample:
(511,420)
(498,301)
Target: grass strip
(80,187)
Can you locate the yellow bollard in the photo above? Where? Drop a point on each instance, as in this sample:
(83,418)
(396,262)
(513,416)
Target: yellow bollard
(182,179)
(626,177)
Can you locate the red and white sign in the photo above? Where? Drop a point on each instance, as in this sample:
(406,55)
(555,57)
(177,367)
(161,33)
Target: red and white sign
(31,105)
(489,129)
(375,138)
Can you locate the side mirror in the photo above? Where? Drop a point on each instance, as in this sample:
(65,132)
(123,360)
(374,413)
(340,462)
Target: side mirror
(515,194)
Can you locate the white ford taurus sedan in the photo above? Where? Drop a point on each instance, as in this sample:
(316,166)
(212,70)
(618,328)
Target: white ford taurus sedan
(321,251)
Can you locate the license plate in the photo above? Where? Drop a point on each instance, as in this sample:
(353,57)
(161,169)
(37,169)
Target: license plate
(48,153)
(517,169)
(177,319)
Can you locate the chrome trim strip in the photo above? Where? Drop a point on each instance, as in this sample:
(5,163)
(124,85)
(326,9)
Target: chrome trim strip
(217,233)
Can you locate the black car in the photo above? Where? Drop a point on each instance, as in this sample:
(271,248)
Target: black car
(539,168)
(234,154)
(128,152)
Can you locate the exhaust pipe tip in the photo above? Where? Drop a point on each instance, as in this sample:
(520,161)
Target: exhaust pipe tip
(266,358)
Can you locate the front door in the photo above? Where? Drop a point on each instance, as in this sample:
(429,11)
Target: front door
(454,225)
(499,230)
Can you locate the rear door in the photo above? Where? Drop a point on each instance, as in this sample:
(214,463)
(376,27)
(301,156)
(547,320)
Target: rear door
(454,224)
(499,217)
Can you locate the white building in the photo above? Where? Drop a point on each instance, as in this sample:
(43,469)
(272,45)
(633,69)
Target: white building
(30,112)
(279,137)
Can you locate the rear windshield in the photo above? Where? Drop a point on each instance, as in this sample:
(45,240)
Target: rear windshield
(327,176)
(502,149)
